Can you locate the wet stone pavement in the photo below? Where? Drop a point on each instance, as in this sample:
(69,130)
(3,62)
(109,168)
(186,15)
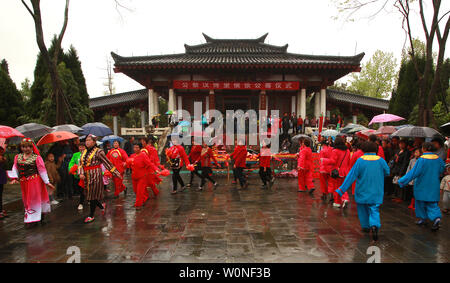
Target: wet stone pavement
(223,225)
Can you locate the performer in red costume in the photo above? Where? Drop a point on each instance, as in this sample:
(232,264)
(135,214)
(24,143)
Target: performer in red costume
(118,158)
(141,167)
(153,155)
(194,155)
(340,161)
(325,171)
(177,157)
(239,156)
(305,167)
(206,155)
(265,172)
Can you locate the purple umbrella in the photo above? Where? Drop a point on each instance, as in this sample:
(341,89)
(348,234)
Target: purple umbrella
(382,118)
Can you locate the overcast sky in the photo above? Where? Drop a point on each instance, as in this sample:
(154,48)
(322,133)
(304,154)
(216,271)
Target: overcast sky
(162,27)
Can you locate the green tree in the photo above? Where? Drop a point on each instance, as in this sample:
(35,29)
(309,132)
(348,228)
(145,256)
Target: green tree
(377,76)
(10,99)
(25,89)
(39,112)
(74,65)
(77,112)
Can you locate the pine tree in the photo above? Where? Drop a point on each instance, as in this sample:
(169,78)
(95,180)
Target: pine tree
(10,99)
(74,65)
(41,106)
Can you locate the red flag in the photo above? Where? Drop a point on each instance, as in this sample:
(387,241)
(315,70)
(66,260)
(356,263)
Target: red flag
(320,126)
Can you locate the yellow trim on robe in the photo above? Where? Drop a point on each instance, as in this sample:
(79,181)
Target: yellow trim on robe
(429,156)
(370,157)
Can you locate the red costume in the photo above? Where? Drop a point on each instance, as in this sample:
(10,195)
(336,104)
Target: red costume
(195,153)
(264,157)
(325,170)
(142,167)
(239,155)
(305,167)
(206,157)
(353,159)
(342,158)
(33,176)
(118,158)
(152,178)
(380,152)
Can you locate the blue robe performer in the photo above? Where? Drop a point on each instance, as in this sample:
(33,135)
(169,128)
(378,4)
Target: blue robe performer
(426,173)
(369,172)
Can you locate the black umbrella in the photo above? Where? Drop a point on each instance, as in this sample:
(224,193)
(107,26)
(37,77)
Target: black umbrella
(446,128)
(34,130)
(96,129)
(69,128)
(349,127)
(416,132)
(301,136)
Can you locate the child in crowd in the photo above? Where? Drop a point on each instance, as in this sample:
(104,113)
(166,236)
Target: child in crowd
(445,187)
(52,172)
(408,190)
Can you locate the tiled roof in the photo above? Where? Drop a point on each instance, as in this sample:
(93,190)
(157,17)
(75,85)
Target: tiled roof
(237,52)
(124,98)
(133,97)
(357,99)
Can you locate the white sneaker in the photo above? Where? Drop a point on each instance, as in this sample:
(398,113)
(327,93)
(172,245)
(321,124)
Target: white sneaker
(344,203)
(54,202)
(336,205)
(80,207)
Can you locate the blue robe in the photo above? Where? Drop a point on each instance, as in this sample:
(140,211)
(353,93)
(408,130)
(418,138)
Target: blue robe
(369,172)
(426,173)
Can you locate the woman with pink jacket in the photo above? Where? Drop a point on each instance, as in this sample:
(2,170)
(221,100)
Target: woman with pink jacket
(340,161)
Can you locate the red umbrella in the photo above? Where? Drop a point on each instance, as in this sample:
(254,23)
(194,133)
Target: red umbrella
(365,134)
(8,132)
(56,136)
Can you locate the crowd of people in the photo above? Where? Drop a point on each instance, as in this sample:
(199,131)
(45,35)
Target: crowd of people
(410,171)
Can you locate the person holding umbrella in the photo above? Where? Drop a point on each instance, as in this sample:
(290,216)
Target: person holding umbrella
(426,173)
(90,173)
(29,170)
(118,158)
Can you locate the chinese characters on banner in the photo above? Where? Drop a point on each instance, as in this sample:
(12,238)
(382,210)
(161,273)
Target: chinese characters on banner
(236,85)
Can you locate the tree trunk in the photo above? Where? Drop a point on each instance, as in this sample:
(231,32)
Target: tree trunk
(50,62)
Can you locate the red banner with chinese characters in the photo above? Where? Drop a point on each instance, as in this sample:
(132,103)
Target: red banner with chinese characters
(236,85)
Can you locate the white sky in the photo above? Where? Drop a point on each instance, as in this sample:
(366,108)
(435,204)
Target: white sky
(162,27)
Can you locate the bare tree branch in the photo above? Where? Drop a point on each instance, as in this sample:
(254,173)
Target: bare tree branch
(28,8)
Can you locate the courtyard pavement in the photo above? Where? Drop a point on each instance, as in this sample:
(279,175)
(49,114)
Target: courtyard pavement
(225,225)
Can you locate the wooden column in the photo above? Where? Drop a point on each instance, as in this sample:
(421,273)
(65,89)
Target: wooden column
(262,100)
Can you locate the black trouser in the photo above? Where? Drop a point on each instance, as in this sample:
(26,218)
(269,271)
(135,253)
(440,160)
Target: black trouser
(65,188)
(1,198)
(407,193)
(388,186)
(205,175)
(176,178)
(265,176)
(79,190)
(195,172)
(240,175)
(93,204)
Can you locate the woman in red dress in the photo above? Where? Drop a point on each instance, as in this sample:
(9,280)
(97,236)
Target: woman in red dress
(29,170)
